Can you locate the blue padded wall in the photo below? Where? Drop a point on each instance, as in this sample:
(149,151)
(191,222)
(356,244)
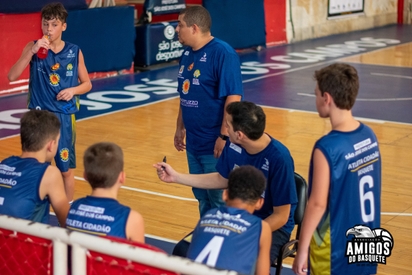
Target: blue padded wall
(241,23)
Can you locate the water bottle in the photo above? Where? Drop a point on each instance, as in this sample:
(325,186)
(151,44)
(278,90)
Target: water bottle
(42,53)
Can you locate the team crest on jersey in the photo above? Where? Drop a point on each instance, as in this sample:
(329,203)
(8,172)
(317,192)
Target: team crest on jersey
(195,80)
(265,165)
(181,69)
(69,70)
(54,79)
(203,58)
(71,54)
(186,53)
(368,245)
(64,154)
(186,86)
(55,67)
(190,67)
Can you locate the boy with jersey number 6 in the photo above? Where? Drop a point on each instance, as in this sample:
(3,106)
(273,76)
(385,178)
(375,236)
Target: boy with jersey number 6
(231,237)
(342,193)
(101,213)
(56,83)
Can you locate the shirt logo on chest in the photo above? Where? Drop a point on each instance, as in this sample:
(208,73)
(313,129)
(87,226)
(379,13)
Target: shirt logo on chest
(186,86)
(265,165)
(203,58)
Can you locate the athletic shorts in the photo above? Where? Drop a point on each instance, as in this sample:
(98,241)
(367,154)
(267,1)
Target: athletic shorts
(65,157)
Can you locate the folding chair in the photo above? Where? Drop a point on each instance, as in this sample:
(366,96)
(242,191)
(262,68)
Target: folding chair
(290,248)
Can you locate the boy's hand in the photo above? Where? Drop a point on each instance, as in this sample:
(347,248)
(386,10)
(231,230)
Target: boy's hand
(65,94)
(41,43)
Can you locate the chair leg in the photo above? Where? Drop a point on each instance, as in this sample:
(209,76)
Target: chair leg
(279,265)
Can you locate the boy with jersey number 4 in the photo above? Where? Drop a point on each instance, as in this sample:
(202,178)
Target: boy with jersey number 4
(231,237)
(100,213)
(342,193)
(56,82)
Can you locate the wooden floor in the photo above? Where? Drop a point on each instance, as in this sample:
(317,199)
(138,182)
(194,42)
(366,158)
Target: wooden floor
(169,210)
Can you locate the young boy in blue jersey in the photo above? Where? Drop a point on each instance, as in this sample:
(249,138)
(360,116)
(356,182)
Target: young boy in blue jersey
(231,237)
(344,180)
(209,78)
(28,183)
(56,83)
(101,213)
(248,144)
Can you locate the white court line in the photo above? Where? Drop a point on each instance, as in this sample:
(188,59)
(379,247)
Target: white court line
(358,118)
(393,75)
(369,99)
(150,192)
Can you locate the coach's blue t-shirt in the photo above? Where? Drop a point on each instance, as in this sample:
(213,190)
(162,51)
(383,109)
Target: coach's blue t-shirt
(276,163)
(206,77)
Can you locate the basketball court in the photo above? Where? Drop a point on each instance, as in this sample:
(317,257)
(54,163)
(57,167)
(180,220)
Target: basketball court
(138,112)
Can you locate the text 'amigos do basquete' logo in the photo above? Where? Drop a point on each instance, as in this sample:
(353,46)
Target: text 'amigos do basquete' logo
(368,245)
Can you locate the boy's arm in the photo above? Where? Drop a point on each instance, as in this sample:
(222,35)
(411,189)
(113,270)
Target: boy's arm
(52,186)
(135,227)
(214,180)
(279,217)
(17,69)
(263,261)
(314,210)
(84,86)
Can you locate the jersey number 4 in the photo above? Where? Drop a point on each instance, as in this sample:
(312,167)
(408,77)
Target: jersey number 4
(211,251)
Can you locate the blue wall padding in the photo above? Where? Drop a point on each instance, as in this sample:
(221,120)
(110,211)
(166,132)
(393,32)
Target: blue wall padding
(105,35)
(241,23)
(28,6)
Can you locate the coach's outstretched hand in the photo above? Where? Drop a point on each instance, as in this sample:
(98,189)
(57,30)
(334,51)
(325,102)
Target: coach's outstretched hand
(165,172)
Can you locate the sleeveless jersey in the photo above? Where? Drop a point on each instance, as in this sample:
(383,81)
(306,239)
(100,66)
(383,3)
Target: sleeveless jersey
(20,180)
(277,165)
(206,77)
(227,238)
(98,216)
(51,75)
(354,199)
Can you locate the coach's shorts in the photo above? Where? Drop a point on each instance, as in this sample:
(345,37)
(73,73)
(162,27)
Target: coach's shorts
(66,154)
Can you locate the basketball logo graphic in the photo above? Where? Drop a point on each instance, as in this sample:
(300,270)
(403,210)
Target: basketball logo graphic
(368,245)
(54,79)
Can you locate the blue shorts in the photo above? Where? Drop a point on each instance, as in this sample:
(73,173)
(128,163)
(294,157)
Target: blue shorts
(65,157)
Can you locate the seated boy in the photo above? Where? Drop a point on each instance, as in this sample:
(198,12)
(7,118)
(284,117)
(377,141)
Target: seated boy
(101,213)
(231,237)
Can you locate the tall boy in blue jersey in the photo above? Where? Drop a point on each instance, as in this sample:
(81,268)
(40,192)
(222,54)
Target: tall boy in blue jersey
(55,83)
(101,213)
(230,237)
(248,144)
(341,193)
(28,183)
(209,79)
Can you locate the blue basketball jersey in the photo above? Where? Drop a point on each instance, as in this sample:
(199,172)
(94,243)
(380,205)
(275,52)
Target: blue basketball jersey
(51,75)
(206,77)
(227,238)
(277,165)
(354,199)
(98,216)
(20,180)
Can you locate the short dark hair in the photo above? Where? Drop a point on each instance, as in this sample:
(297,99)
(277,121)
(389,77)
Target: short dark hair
(37,127)
(246,183)
(54,11)
(248,118)
(197,15)
(103,163)
(341,81)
